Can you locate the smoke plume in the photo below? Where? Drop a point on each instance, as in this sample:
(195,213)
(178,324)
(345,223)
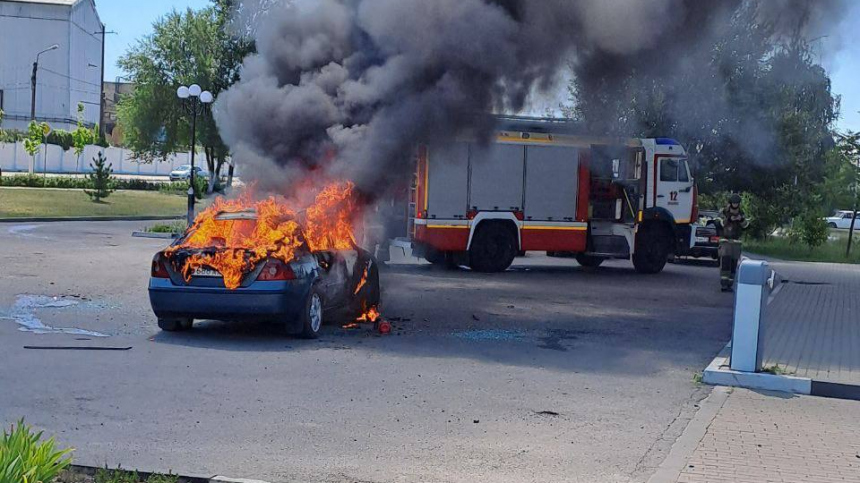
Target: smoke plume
(345,88)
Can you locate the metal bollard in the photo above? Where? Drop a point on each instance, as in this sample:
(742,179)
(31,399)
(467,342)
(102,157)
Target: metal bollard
(754,283)
(190,206)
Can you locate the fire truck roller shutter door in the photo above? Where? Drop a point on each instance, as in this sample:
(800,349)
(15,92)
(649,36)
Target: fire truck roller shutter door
(496,177)
(551,191)
(447,181)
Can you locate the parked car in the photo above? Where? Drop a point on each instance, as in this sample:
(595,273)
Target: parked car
(708,230)
(300,295)
(183,172)
(842,219)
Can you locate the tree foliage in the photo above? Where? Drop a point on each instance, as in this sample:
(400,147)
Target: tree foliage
(35,137)
(755,110)
(101,178)
(190,47)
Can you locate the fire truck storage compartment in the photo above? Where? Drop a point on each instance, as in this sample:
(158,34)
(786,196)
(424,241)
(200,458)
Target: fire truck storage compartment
(448,181)
(551,183)
(496,177)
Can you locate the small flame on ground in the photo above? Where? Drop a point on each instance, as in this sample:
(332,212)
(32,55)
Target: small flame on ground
(371,315)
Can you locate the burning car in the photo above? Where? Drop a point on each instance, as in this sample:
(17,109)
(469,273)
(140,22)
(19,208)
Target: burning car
(244,261)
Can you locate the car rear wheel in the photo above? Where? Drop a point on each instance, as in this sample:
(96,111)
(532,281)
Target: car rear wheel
(312,315)
(175,325)
(831,225)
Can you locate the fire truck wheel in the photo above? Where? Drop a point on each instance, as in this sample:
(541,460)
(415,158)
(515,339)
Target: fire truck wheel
(493,248)
(589,261)
(652,252)
(312,315)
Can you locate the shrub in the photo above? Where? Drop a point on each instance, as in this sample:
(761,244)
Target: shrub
(105,475)
(176,188)
(24,457)
(810,229)
(11,135)
(61,138)
(201,186)
(763,216)
(137,184)
(172,227)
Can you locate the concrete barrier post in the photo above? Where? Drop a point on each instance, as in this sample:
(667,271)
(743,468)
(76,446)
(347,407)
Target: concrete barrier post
(750,300)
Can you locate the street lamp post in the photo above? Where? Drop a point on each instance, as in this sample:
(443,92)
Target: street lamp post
(198,99)
(33,81)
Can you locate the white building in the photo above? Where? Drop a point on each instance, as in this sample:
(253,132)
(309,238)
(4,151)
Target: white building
(66,76)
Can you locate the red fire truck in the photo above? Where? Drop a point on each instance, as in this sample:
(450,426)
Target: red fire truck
(539,186)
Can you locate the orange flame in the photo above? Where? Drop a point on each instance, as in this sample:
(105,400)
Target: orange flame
(363,281)
(234,246)
(371,315)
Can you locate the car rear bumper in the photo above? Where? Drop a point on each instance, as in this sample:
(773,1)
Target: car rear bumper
(276,301)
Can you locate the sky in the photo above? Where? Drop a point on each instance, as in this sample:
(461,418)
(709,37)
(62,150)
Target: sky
(132,19)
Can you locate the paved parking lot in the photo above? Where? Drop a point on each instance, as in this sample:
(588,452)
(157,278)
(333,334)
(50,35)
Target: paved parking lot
(544,373)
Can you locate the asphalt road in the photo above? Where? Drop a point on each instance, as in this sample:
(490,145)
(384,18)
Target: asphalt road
(544,373)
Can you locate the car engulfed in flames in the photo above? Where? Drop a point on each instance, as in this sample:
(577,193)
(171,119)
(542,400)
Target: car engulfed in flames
(246,259)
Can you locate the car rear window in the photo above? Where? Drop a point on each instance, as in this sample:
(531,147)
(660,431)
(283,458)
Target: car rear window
(226,229)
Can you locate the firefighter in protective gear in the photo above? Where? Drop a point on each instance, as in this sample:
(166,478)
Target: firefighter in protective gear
(734,222)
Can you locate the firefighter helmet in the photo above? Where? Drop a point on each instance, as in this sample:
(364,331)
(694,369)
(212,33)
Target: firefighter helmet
(735,199)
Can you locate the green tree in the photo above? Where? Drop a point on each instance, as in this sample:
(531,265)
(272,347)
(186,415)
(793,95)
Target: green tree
(754,111)
(82,137)
(190,47)
(101,178)
(36,133)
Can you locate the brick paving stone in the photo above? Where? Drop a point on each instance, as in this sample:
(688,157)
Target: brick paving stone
(812,326)
(779,438)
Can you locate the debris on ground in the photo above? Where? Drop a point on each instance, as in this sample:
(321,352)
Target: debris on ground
(77,348)
(490,334)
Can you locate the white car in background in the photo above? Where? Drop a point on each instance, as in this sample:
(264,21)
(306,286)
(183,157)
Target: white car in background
(842,219)
(183,172)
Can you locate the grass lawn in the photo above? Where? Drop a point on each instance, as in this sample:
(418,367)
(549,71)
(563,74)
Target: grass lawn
(832,251)
(40,202)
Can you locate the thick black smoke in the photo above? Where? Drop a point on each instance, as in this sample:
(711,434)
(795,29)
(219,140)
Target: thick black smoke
(345,88)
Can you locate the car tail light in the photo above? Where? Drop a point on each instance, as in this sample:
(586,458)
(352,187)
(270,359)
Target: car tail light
(715,239)
(276,270)
(159,269)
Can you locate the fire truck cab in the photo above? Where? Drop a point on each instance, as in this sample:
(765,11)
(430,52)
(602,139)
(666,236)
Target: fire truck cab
(536,186)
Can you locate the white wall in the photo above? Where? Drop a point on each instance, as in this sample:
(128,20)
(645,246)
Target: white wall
(85,60)
(13,158)
(65,76)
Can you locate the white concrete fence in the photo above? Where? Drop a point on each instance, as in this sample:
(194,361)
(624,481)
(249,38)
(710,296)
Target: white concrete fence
(13,158)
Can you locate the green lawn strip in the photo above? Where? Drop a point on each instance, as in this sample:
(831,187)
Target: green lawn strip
(38,202)
(833,251)
(167,227)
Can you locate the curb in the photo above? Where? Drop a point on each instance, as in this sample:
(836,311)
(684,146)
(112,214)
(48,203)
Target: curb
(146,234)
(88,218)
(182,478)
(718,373)
(670,469)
